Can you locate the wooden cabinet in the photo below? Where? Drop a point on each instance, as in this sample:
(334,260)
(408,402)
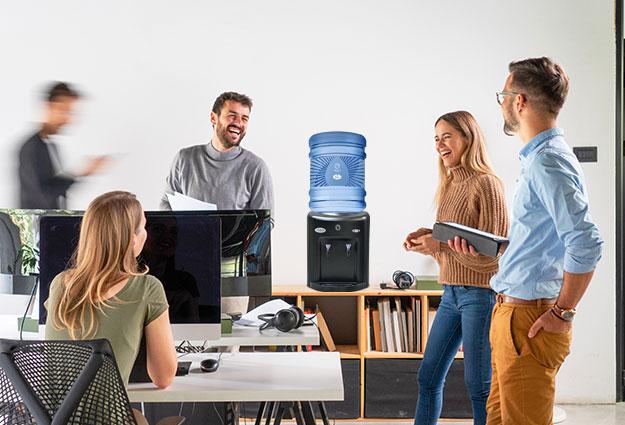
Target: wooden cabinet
(345,314)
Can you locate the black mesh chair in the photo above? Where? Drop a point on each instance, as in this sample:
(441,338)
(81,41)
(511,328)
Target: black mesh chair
(61,382)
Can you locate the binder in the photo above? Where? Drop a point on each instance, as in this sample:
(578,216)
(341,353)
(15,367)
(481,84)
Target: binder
(483,242)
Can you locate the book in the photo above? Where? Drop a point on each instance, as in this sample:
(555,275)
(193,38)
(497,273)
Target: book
(411,329)
(404,330)
(431,317)
(483,242)
(396,330)
(403,334)
(428,283)
(377,335)
(325,332)
(382,328)
(416,306)
(388,326)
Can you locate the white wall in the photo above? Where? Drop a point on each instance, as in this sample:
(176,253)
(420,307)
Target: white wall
(384,69)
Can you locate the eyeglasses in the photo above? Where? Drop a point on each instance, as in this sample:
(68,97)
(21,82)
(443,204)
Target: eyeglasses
(502,94)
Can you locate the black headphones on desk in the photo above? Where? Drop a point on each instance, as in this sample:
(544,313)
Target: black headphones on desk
(402,279)
(284,320)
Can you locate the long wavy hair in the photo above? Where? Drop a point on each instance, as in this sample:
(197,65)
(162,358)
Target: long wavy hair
(474,158)
(104,257)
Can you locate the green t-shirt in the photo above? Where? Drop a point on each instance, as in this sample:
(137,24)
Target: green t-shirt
(137,304)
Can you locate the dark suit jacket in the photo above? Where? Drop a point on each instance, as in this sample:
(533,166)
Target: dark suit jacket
(40,186)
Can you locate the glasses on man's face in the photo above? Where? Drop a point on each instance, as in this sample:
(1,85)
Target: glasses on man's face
(502,94)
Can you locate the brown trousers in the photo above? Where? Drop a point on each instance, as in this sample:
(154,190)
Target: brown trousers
(524,369)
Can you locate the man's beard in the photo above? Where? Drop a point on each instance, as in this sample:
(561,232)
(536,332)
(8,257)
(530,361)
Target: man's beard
(226,138)
(510,124)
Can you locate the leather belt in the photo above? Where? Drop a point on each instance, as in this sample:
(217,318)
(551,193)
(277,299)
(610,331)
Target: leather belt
(501,298)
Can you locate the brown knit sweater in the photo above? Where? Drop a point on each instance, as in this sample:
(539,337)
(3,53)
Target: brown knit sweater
(475,200)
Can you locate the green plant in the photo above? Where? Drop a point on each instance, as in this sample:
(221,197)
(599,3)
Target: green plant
(27,259)
(30,259)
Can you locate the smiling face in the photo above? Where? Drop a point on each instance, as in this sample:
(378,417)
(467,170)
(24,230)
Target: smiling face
(450,144)
(231,124)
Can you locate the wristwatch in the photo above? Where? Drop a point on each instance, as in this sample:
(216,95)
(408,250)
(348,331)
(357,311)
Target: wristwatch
(566,314)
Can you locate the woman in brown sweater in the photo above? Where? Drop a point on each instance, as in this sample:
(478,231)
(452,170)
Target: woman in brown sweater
(468,193)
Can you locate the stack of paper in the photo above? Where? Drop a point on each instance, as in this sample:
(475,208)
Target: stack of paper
(179,202)
(251,318)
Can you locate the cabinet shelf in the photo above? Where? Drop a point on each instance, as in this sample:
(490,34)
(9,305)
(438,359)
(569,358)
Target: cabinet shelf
(348,351)
(300,290)
(386,355)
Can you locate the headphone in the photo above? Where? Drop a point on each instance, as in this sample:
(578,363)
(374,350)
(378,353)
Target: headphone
(402,279)
(284,320)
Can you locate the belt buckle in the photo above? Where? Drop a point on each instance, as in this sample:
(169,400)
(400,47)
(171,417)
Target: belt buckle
(500,298)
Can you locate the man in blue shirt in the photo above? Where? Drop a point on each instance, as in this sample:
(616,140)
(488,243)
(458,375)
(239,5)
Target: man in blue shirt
(553,251)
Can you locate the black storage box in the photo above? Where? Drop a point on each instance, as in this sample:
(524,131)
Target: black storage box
(349,408)
(391,389)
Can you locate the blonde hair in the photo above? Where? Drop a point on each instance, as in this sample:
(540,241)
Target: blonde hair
(104,257)
(474,158)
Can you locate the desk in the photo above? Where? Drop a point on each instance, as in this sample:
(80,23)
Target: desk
(13,304)
(249,336)
(252,377)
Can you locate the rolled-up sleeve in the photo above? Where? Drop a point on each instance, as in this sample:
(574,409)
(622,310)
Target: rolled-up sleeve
(560,187)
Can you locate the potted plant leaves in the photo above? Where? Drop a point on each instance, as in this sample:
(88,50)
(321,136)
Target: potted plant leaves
(21,231)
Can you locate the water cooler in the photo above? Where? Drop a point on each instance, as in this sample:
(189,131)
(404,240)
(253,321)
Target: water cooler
(338,226)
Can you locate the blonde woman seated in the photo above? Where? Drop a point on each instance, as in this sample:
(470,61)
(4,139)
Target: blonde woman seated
(105,295)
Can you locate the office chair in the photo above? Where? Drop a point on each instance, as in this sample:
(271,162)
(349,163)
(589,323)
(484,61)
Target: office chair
(62,382)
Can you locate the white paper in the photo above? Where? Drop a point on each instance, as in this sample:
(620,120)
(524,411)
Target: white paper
(180,202)
(251,317)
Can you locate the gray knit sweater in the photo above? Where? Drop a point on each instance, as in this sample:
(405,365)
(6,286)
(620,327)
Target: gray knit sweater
(233,180)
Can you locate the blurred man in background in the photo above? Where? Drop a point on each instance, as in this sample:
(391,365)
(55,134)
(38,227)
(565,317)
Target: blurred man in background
(43,182)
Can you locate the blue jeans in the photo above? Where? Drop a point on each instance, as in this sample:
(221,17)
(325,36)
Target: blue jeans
(463,316)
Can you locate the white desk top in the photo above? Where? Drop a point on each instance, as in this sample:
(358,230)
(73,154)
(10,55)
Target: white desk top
(248,336)
(241,335)
(253,377)
(15,304)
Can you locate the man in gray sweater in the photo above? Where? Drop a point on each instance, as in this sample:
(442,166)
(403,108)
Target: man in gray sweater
(222,172)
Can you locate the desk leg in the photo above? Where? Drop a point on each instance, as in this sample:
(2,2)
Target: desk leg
(232,413)
(279,413)
(324,413)
(308,413)
(298,414)
(270,409)
(261,411)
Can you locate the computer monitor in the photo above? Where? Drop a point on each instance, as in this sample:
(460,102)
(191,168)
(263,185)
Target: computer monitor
(182,250)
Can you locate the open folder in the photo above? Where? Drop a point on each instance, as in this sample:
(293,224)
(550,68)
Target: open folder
(483,242)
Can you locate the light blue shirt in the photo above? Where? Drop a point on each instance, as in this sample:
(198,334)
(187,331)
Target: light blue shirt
(551,229)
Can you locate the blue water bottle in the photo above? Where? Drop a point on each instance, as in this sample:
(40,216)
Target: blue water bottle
(337,172)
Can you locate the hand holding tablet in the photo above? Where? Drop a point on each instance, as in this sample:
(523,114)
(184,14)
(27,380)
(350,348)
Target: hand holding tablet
(475,241)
